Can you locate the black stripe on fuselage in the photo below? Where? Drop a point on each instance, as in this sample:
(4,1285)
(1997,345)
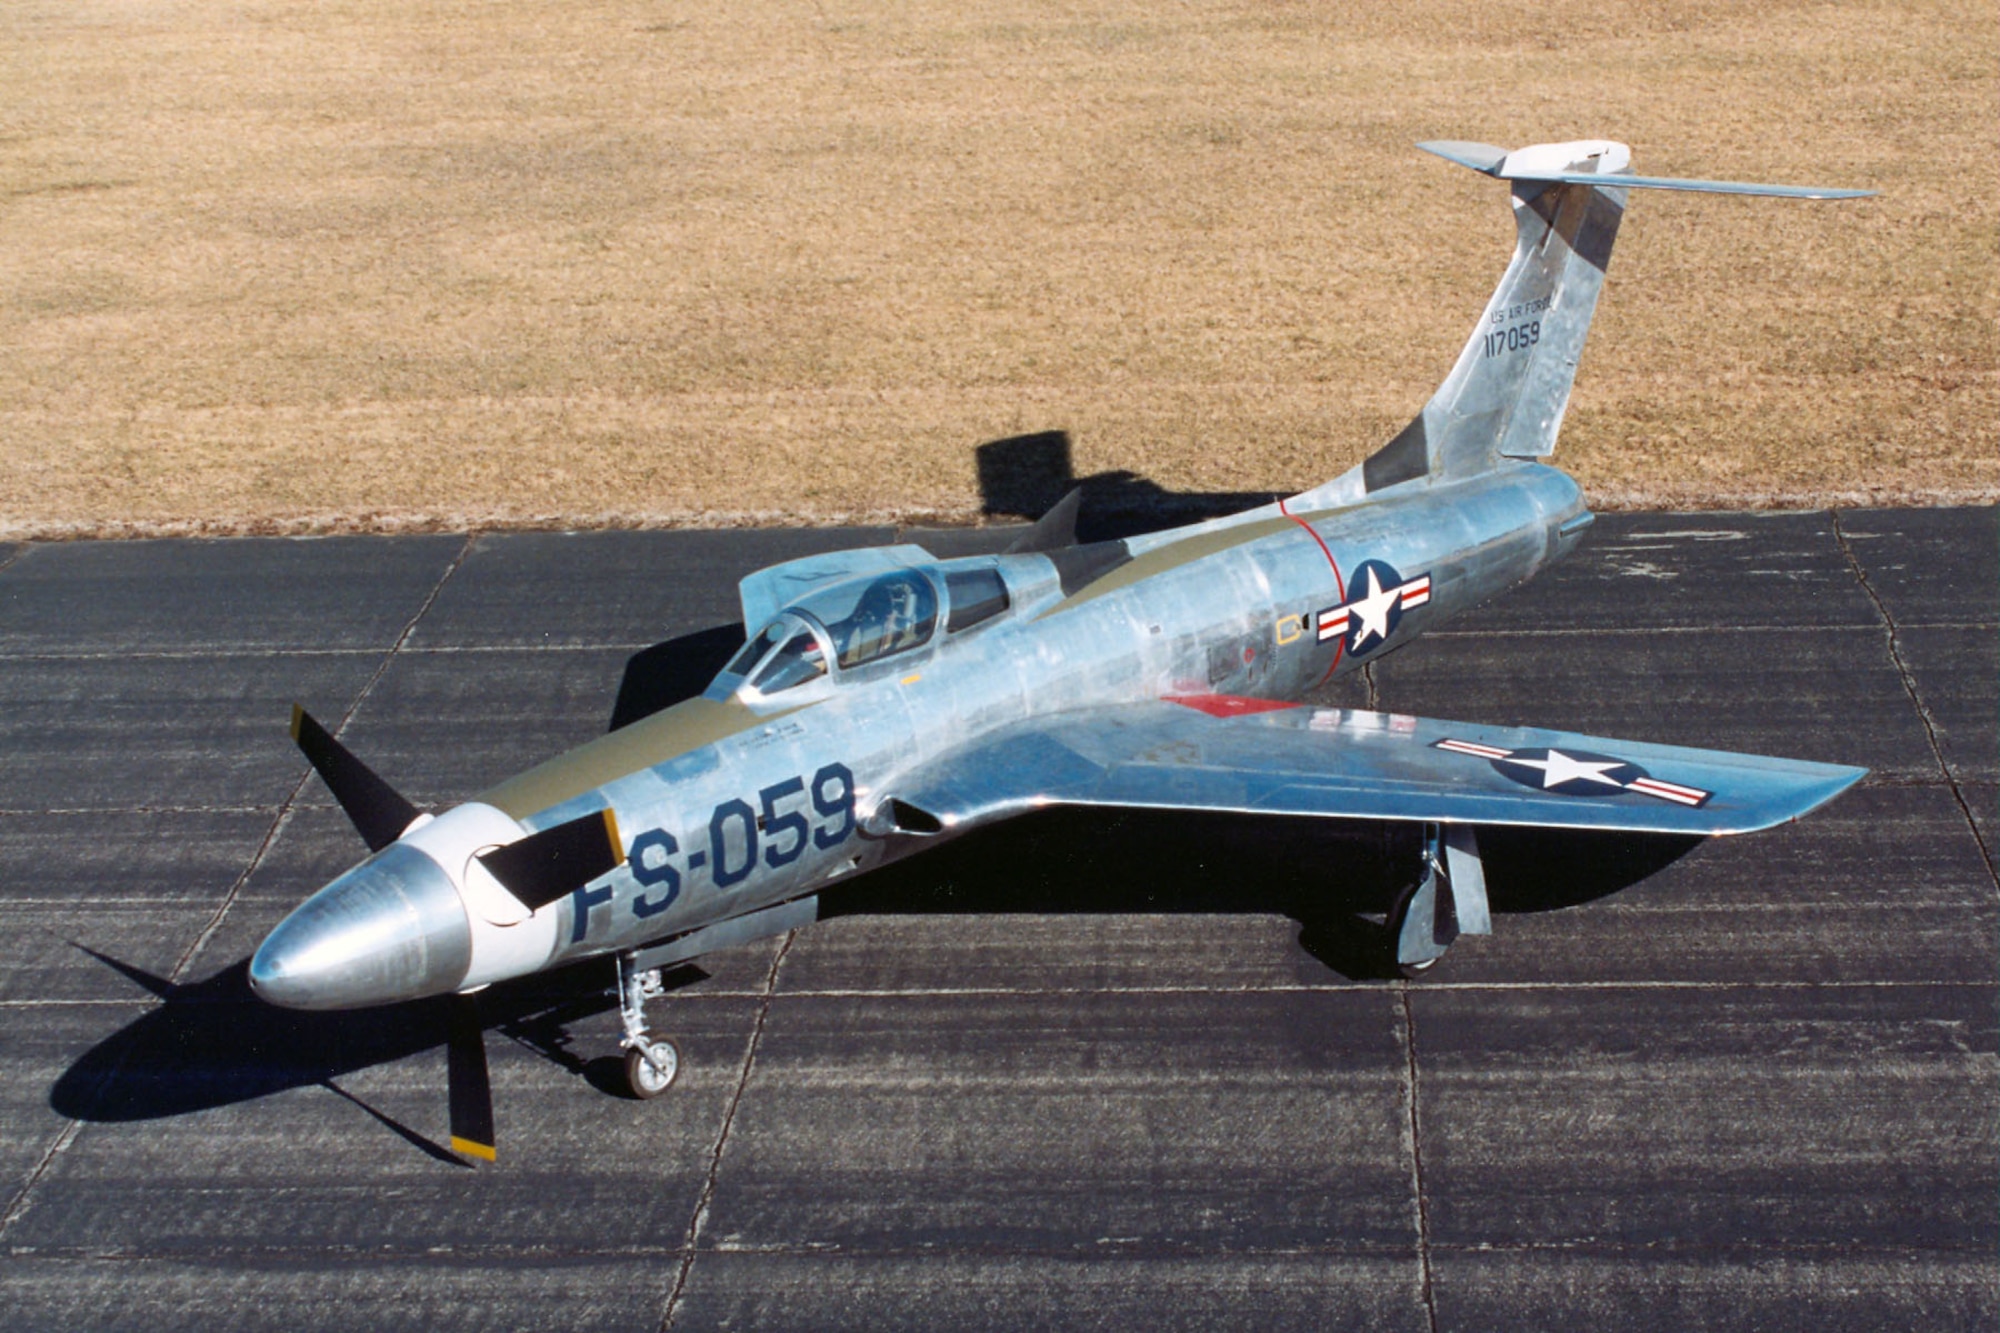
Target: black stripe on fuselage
(1404,458)
(1080,566)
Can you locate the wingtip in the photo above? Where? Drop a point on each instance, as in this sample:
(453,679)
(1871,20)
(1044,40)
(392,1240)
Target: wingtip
(298,720)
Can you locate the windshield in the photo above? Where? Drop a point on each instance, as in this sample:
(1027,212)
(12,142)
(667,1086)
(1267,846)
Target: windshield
(762,642)
(800,660)
(876,618)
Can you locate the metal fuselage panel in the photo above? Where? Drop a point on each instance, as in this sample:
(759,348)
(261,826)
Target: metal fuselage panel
(772,810)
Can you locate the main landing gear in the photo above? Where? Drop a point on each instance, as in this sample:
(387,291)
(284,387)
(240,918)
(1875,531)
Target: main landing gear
(651,1063)
(1447,899)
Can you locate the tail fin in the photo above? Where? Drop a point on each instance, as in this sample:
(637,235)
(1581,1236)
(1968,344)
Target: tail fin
(1506,395)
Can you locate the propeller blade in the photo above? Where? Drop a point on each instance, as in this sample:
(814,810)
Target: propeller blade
(471,1089)
(557,861)
(379,812)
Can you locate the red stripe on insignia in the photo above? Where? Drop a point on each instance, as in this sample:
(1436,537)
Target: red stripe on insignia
(1411,599)
(1668,791)
(1468,747)
(1668,786)
(1228,705)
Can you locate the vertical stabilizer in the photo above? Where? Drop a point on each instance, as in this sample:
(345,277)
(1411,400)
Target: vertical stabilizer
(1506,395)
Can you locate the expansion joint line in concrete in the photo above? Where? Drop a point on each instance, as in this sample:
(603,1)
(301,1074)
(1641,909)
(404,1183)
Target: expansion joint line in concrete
(67,1134)
(1916,697)
(707,1197)
(1416,1124)
(284,815)
(57,1147)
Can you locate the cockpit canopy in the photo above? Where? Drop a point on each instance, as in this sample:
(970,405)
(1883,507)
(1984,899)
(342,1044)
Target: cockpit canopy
(875,618)
(861,621)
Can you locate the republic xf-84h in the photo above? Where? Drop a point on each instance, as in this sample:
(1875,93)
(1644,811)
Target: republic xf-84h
(886,701)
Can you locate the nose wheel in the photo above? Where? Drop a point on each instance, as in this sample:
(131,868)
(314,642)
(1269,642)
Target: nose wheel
(651,1067)
(651,1063)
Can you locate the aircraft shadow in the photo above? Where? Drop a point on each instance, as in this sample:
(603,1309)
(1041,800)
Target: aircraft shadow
(670,672)
(1023,476)
(1334,878)
(212,1043)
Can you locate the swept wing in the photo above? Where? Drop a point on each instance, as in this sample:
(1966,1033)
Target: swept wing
(1218,753)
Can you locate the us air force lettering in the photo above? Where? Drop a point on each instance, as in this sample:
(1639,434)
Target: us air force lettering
(886,700)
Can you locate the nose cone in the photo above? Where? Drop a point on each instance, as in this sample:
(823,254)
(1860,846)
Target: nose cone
(393,928)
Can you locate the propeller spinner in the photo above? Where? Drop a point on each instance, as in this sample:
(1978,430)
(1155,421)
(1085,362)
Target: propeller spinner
(397,927)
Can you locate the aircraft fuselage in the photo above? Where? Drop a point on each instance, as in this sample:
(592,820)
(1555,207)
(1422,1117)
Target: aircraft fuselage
(733,802)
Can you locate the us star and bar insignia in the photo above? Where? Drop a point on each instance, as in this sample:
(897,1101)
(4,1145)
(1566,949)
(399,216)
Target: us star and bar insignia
(1377,596)
(1576,772)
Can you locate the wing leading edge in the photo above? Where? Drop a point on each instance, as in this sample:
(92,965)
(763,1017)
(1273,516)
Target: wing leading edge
(1249,756)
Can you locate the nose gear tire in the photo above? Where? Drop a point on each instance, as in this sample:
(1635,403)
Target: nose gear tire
(650,1068)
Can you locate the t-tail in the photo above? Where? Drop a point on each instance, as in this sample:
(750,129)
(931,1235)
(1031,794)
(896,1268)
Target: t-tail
(1505,397)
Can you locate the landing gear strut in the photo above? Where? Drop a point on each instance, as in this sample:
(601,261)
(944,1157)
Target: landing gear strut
(1423,921)
(651,1063)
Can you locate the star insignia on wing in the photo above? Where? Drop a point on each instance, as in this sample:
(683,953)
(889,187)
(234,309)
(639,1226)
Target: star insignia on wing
(1573,772)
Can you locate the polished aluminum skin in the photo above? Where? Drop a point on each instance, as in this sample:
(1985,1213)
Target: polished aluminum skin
(392,928)
(888,700)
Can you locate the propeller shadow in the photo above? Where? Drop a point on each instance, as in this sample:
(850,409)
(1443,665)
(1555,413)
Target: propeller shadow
(214,1043)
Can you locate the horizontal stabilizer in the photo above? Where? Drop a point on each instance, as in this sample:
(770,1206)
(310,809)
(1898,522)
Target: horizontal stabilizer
(1503,165)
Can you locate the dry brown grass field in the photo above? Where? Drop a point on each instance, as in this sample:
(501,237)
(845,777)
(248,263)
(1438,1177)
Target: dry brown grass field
(270,265)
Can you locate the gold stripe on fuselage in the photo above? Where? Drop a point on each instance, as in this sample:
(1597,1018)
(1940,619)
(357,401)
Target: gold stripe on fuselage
(1175,554)
(653,740)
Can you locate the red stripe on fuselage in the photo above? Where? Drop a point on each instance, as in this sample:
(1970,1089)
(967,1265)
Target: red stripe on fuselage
(1339,587)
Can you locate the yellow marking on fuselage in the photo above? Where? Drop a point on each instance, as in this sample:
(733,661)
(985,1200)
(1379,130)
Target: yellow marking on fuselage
(1173,555)
(1290,629)
(611,832)
(911,680)
(468,1148)
(654,740)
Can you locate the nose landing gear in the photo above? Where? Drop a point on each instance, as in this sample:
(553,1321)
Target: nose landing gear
(651,1063)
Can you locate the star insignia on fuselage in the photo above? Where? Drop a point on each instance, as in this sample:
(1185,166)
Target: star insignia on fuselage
(1377,596)
(1575,772)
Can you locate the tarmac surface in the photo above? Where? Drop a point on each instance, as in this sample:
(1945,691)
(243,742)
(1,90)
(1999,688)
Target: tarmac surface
(1080,1073)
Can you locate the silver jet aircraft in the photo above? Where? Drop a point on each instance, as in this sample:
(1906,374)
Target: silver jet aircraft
(886,700)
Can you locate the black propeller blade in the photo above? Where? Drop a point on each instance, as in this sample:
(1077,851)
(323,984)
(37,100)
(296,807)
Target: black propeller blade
(471,1090)
(379,812)
(545,866)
